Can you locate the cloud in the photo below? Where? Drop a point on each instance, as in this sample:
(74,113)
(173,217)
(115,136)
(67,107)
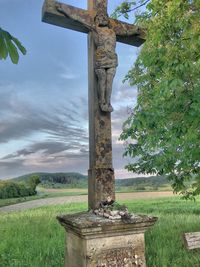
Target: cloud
(20,119)
(56,134)
(47,148)
(46,156)
(9,167)
(42,134)
(125,93)
(57,148)
(23,152)
(67,74)
(10,164)
(8,98)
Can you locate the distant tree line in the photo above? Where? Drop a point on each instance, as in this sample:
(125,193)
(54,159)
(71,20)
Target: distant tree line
(58,180)
(153,181)
(11,189)
(77,180)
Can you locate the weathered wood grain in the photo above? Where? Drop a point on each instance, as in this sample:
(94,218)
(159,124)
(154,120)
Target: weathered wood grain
(192,240)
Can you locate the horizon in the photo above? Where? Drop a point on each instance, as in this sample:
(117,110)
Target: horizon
(33,173)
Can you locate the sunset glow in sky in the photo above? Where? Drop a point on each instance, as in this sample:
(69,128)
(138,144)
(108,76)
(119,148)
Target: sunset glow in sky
(43,99)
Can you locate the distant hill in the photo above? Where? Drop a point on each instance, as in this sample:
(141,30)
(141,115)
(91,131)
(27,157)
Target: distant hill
(152,181)
(57,180)
(77,180)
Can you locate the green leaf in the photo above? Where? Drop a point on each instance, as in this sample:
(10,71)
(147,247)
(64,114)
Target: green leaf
(12,50)
(3,48)
(9,45)
(19,45)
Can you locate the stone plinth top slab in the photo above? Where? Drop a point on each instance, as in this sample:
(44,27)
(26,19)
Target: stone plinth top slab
(87,223)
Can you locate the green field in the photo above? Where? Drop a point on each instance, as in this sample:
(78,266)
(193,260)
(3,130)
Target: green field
(42,194)
(49,192)
(73,184)
(35,239)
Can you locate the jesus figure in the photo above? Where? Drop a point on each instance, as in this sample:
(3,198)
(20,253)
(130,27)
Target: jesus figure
(106,60)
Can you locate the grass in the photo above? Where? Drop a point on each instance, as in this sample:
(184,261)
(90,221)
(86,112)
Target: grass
(41,194)
(129,189)
(46,193)
(164,246)
(11,201)
(34,238)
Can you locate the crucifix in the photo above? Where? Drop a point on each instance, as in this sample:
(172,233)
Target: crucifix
(103,33)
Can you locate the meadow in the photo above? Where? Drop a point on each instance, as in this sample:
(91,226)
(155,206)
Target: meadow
(33,238)
(44,193)
(57,192)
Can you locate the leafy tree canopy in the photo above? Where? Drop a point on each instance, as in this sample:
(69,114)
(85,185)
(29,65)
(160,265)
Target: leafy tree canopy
(9,45)
(163,132)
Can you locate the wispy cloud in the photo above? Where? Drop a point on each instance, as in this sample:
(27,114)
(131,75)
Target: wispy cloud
(125,94)
(56,135)
(67,73)
(20,119)
(68,76)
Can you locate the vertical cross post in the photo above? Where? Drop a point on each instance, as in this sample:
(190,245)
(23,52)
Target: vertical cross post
(101,181)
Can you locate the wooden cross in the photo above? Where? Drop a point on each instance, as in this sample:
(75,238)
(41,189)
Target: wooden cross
(101,182)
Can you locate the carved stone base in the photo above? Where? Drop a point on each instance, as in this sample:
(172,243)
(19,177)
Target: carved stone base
(93,241)
(101,185)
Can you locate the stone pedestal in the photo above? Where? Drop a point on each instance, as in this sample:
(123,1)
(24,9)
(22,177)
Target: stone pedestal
(94,241)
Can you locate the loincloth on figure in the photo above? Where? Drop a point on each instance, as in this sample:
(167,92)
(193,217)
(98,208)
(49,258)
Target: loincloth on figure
(105,59)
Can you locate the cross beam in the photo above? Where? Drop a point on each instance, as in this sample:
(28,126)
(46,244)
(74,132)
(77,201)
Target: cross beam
(101,181)
(52,16)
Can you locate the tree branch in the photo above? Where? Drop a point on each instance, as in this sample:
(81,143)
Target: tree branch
(143,4)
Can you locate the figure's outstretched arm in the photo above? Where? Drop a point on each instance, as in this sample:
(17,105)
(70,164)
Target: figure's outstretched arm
(76,14)
(125,29)
(127,33)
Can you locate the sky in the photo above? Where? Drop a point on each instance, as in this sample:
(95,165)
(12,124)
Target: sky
(44,99)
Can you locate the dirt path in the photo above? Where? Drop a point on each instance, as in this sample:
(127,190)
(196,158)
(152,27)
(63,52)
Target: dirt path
(72,199)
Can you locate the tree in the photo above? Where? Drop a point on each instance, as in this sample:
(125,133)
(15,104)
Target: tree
(162,133)
(9,45)
(10,189)
(33,181)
